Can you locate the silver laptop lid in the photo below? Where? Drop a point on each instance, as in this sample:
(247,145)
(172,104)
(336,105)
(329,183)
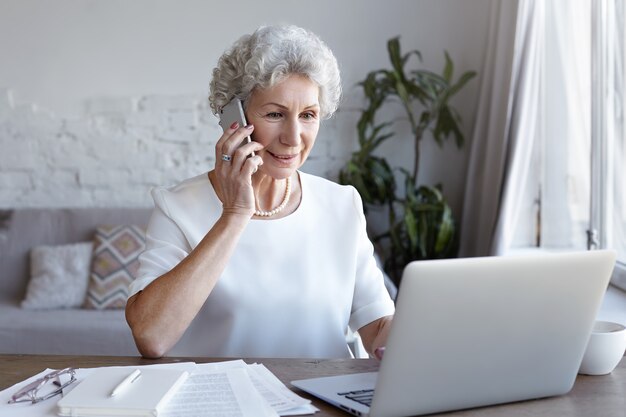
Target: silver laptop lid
(481,331)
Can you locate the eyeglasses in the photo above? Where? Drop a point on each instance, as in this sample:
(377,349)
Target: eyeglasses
(45,387)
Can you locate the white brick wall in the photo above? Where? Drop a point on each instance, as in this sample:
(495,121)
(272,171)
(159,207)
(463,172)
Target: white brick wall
(119,149)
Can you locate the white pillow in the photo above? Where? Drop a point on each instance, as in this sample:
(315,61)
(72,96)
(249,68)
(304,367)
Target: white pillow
(58,276)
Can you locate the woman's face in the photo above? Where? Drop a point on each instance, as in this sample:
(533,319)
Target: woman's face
(286,119)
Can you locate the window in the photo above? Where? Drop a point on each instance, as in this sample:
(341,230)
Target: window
(577,191)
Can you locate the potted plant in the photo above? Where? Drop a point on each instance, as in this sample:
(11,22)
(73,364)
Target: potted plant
(420,222)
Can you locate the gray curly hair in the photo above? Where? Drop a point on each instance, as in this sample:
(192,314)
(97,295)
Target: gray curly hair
(269,55)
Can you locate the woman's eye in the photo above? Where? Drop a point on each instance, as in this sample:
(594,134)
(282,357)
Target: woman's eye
(274,115)
(308,116)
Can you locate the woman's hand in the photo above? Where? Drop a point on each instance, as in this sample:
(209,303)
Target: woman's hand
(234,176)
(379,352)
(374,336)
(161,313)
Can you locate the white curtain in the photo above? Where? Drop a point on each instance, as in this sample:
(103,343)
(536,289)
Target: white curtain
(618,218)
(611,74)
(506,127)
(523,129)
(567,125)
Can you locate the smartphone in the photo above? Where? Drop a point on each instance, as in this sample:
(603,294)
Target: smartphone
(231,113)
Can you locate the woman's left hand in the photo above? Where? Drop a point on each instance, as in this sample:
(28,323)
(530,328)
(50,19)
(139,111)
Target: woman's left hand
(379,353)
(374,335)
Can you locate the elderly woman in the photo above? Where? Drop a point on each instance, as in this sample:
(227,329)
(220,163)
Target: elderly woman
(256,258)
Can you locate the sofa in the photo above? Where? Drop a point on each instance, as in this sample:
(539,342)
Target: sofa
(73,331)
(70,331)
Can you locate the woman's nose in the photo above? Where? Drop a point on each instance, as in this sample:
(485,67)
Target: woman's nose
(291,132)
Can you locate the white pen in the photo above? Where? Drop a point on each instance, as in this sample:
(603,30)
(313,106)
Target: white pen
(126,382)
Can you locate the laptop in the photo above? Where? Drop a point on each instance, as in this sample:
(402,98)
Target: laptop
(479,331)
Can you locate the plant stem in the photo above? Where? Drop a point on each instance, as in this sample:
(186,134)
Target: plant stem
(393,238)
(416,162)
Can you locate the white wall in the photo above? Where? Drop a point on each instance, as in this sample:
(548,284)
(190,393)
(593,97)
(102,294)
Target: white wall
(99,100)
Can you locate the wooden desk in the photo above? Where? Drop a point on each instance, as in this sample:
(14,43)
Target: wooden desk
(598,396)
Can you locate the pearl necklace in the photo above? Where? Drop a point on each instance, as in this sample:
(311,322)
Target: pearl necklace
(282,205)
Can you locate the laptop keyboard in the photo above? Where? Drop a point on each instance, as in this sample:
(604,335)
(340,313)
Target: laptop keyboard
(363,396)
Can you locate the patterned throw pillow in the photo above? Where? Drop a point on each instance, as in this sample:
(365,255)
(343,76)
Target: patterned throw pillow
(114,265)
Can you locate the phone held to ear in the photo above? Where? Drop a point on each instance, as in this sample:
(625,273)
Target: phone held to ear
(231,113)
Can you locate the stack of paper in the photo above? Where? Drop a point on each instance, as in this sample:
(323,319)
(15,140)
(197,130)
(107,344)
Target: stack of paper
(235,388)
(221,388)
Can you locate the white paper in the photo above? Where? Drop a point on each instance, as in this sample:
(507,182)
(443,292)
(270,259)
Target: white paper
(284,401)
(220,366)
(301,411)
(223,393)
(280,398)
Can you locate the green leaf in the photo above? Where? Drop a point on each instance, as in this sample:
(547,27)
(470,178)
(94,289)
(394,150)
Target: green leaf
(423,240)
(402,92)
(448,69)
(465,78)
(408,55)
(446,230)
(393,48)
(447,124)
(411,227)
(381,139)
(416,91)
(425,120)
(382,178)
(431,84)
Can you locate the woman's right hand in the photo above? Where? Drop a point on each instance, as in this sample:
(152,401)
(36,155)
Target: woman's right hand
(161,313)
(234,177)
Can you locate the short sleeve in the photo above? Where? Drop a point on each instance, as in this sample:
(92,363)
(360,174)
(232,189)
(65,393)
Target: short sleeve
(166,244)
(371,300)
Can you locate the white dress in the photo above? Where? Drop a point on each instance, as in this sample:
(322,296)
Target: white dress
(292,286)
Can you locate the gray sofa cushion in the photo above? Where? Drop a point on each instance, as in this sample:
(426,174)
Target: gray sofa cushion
(64,331)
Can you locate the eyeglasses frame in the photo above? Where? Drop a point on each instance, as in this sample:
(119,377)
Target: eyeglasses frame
(29,392)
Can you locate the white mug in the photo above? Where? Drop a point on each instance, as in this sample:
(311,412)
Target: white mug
(605,348)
